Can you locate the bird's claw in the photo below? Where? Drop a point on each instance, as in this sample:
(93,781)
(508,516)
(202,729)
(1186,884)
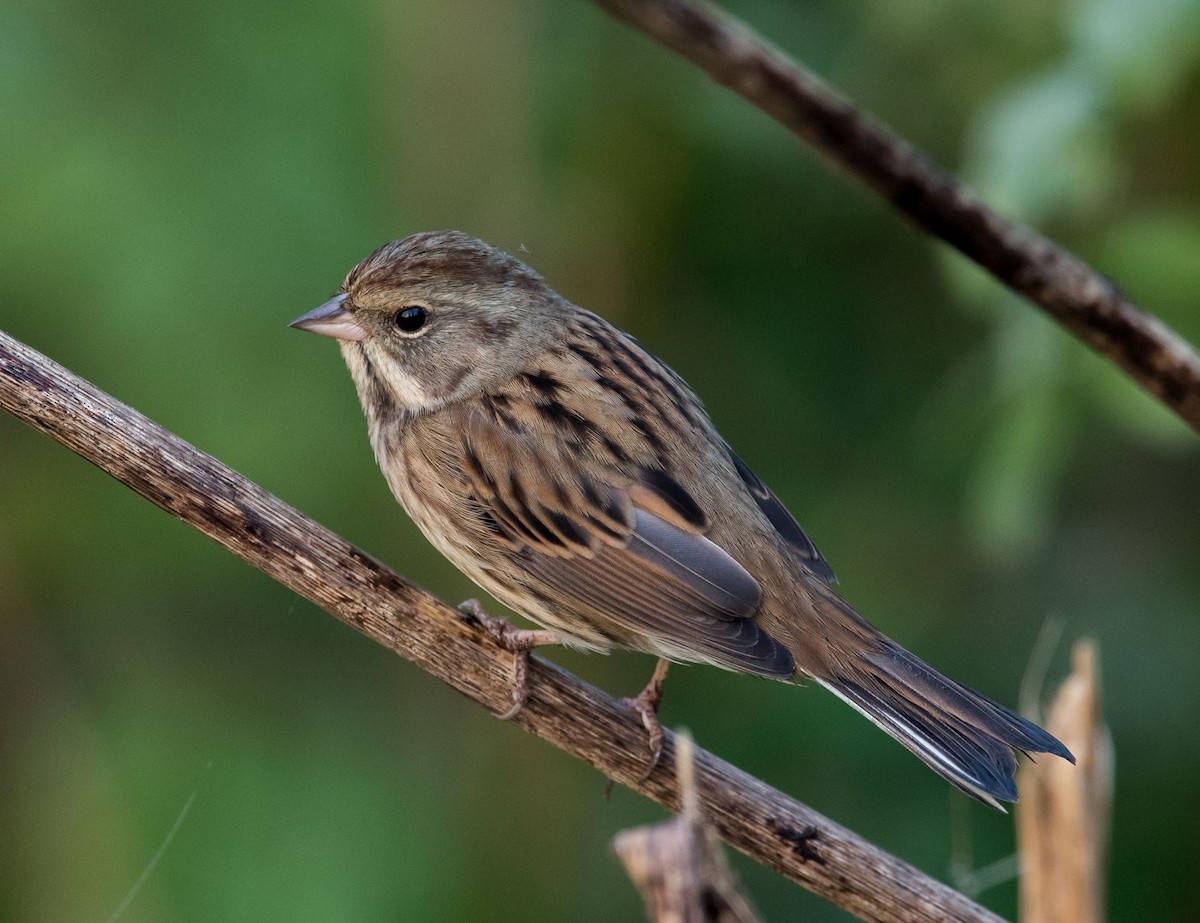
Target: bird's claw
(646,704)
(519,642)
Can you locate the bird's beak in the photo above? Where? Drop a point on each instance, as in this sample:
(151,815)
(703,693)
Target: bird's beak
(331,320)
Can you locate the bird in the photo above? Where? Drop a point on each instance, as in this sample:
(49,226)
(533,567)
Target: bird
(578,479)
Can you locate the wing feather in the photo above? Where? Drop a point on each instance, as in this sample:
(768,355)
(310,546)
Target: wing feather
(623,551)
(783,521)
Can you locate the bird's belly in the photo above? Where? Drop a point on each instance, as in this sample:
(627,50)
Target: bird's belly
(431,512)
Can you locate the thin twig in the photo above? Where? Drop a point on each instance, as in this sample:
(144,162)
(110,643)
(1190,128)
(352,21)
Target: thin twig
(137,886)
(677,865)
(749,815)
(1085,302)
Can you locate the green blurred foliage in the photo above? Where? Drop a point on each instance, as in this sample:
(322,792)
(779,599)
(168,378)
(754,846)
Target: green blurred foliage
(180,181)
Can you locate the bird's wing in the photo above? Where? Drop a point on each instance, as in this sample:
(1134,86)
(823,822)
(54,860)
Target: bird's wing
(618,550)
(783,521)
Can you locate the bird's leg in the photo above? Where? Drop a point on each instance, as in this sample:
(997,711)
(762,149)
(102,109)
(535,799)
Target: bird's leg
(519,641)
(646,703)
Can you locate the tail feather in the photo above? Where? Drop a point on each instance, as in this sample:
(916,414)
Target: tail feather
(964,737)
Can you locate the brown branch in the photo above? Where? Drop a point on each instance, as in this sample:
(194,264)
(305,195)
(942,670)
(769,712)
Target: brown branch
(749,815)
(1065,287)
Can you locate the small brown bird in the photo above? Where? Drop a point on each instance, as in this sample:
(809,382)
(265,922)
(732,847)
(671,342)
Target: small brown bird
(578,479)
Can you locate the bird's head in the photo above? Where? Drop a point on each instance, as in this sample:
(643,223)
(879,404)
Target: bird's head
(436,318)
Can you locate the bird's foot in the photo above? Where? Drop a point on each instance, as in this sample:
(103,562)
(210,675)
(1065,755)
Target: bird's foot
(646,703)
(519,642)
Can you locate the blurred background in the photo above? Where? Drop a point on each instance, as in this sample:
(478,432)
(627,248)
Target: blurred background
(180,181)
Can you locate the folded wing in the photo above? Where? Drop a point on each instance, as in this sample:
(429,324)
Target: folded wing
(626,551)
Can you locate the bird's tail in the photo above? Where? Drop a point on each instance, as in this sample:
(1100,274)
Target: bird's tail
(964,737)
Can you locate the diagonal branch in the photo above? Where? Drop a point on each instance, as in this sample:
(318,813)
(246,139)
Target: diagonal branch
(1086,303)
(749,815)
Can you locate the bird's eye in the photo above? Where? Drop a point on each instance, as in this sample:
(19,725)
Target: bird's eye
(411,319)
